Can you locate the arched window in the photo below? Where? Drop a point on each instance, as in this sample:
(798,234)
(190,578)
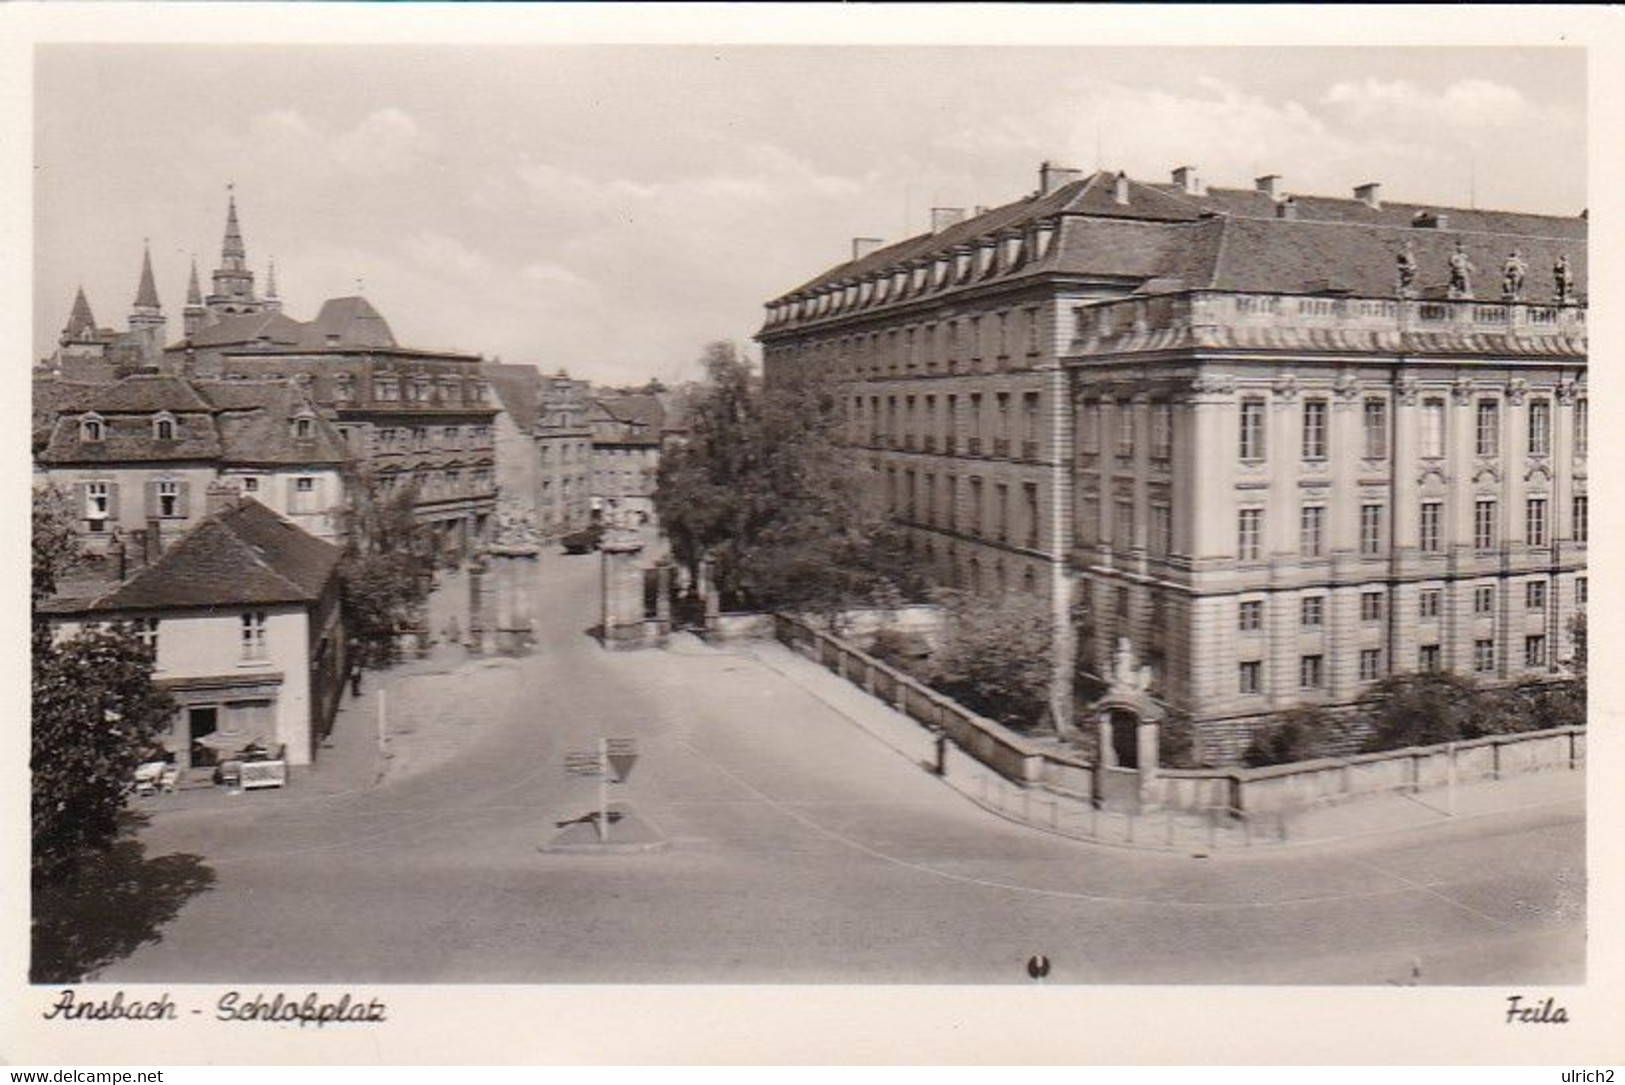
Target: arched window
(163,426)
(91,428)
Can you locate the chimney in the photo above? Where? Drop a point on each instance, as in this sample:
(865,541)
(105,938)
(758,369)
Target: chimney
(1052,177)
(1185,178)
(1268,185)
(220,494)
(152,543)
(1430,220)
(863,246)
(1287,209)
(944,217)
(982,209)
(1369,194)
(1120,189)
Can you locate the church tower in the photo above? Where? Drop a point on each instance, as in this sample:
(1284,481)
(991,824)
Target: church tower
(81,326)
(233,282)
(194,313)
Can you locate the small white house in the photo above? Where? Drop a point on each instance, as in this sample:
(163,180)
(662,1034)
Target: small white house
(244,612)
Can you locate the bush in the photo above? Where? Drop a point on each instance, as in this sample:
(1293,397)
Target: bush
(1300,734)
(995,658)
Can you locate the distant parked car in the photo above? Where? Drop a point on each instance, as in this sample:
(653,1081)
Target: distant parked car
(584,541)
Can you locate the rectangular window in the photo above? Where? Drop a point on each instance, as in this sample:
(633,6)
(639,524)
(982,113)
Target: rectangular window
(1001,512)
(1162,431)
(1374,423)
(1162,530)
(1314,429)
(1582,516)
(1534,521)
(1484,600)
(1428,533)
(1252,429)
(253,634)
(1540,427)
(1247,676)
(1427,658)
(1249,534)
(1370,664)
(1029,500)
(1311,671)
(1123,525)
(1534,651)
(1125,428)
(169,497)
(1488,434)
(952,482)
(1312,530)
(1250,616)
(1534,595)
(1122,602)
(98,500)
(1370,529)
(1312,611)
(1428,603)
(976,506)
(1580,589)
(1089,439)
(1484,656)
(1484,527)
(147,630)
(1433,428)
(1371,606)
(1582,426)
(251,485)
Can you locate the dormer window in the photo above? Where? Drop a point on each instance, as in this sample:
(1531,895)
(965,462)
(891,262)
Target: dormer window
(163,427)
(304,427)
(92,428)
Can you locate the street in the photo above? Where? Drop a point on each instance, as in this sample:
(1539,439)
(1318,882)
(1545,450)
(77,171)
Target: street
(802,850)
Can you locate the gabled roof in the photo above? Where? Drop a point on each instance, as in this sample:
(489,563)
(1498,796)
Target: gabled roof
(637,409)
(354,323)
(256,424)
(243,555)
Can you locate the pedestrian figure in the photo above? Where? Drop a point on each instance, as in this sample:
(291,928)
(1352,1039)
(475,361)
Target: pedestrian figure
(355,680)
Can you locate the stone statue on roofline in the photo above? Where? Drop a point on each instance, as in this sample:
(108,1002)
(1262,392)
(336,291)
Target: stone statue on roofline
(1562,280)
(1461,273)
(1406,267)
(1512,275)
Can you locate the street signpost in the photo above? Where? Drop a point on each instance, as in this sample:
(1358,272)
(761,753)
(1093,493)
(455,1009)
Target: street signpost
(617,754)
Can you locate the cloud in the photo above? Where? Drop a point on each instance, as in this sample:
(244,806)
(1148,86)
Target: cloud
(1466,102)
(548,273)
(385,141)
(440,252)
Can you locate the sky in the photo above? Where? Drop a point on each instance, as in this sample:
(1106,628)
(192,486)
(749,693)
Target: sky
(611,209)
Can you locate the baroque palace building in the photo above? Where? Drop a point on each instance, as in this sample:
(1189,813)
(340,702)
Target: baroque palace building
(1285,445)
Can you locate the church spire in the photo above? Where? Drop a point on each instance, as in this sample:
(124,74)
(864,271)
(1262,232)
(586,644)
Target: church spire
(232,252)
(146,295)
(81,322)
(272,302)
(192,315)
(194,296)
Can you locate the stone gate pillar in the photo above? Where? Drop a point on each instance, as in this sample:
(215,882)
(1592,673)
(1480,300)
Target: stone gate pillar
(622,589)
(478,620)
(708,592)
(1147,746)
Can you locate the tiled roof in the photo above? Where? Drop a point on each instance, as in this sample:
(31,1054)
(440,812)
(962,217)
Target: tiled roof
(236,422)
(277,328)
(1283,256)
(352,320)
(518,387)
(243,555)
(1098,235)
(638,409)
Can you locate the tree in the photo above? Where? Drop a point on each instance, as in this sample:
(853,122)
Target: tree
(96,715)
(386,569)
(1423,710)
(765,488)
(57,548)
(994,657)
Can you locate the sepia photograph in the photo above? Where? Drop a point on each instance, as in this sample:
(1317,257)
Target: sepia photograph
(781,513)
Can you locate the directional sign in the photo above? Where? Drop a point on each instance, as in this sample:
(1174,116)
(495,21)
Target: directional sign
(583,764)
(622,754)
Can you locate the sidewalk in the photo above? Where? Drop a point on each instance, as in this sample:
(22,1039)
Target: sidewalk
(1064,815)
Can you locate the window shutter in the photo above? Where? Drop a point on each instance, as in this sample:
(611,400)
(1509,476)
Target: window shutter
(112,502)
(291,501)
(183,499)
(81,494)
(151,488)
